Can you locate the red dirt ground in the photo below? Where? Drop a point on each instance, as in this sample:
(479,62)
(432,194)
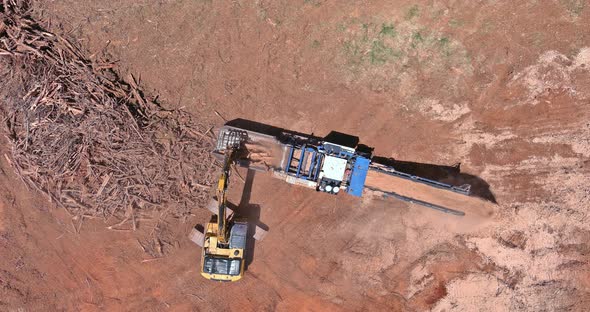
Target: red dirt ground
(501,87)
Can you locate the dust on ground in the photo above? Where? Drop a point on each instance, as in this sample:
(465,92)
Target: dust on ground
(501,87)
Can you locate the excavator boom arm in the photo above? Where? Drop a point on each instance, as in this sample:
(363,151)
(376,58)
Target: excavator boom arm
(222,186)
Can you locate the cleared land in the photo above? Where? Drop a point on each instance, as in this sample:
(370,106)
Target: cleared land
(500,87)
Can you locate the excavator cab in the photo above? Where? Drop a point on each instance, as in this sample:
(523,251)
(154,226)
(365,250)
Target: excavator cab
(224,261)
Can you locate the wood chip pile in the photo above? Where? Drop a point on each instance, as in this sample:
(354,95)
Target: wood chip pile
(93,143)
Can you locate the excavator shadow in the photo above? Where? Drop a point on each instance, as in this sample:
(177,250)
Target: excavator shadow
(446,174)
(251,212)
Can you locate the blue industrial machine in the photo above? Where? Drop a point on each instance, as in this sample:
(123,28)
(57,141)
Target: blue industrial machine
(324,166)
(303,160)
(328,167)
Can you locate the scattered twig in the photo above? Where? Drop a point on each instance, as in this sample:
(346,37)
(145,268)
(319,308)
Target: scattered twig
(219,115)
(104,184)
(197,296)
(120,230)
(203,185)
(141,245)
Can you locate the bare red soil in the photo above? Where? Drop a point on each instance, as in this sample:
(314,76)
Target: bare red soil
(501,87)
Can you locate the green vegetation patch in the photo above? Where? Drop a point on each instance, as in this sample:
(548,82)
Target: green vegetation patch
(316,44)
(413,11)
(379,44)
(388,30)
(456,23)
(382,53)
(574,7)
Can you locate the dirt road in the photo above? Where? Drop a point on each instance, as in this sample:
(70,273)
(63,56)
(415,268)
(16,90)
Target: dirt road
(500,87)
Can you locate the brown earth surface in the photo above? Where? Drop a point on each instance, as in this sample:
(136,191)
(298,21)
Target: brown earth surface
(501,87)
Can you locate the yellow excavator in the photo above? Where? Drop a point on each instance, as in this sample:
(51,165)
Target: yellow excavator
(224,238)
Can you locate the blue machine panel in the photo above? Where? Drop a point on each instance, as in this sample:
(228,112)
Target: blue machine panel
(358,176)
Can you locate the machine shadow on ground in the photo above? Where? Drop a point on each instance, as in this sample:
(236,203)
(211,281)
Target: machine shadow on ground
(446,174)
(252,213)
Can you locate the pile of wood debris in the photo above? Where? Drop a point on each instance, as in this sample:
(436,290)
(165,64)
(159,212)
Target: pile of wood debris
(95,144)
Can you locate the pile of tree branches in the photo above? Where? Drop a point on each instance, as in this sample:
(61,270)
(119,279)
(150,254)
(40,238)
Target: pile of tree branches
(93,143)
